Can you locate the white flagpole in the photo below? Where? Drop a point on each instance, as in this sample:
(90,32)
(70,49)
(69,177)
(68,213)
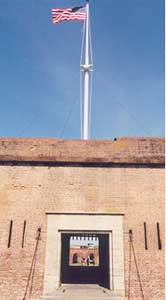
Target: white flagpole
(86,69)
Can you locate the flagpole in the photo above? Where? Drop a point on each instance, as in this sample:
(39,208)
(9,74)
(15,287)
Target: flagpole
(86,69)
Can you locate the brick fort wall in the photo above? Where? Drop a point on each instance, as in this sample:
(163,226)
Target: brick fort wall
(106,178)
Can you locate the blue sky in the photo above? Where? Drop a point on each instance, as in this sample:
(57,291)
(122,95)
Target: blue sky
(39,69)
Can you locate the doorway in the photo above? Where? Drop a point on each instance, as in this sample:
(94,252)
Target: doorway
(85,258)
(108,227)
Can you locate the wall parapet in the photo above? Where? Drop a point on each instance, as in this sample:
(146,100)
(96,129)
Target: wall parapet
(134,150)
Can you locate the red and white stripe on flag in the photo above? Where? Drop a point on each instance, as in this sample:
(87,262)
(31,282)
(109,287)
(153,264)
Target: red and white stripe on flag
(68,14)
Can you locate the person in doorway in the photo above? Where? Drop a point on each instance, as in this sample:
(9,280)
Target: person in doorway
(92,259)
(83,261)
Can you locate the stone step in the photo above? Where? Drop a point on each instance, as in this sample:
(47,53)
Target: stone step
(81,297)
(82,292)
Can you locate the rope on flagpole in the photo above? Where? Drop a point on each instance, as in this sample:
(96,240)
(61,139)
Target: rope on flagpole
(90,38)
(90,102)
(81,103)
(81,80)
(91,76)
(81,97)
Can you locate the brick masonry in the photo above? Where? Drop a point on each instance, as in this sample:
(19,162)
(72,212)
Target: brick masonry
(39,175)
(82,254)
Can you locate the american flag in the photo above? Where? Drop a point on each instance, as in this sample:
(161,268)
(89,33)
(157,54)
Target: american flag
(68,14)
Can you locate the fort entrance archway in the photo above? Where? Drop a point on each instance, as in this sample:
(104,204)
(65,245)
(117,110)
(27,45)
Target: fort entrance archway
(70,260)
(85,258)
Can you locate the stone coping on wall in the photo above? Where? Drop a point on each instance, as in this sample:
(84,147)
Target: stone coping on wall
(136,150)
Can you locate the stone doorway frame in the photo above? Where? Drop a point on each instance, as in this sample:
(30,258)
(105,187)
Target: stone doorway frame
(64,222)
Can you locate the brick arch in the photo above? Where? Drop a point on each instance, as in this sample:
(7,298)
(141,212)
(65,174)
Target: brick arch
(75,258)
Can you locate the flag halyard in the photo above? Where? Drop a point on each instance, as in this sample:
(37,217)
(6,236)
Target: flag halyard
(68,14)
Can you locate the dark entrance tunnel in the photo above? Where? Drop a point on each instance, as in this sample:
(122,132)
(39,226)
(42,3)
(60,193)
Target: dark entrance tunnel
(91,273)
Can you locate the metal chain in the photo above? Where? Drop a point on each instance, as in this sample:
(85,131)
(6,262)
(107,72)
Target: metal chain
(33,263)
(132,250)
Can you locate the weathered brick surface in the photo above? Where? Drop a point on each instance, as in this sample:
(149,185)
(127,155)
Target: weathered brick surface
(28,191)
(123,150)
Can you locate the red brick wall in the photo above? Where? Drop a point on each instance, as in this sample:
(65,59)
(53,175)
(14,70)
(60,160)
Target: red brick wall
(27,192)
(84,253)
(120,150)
